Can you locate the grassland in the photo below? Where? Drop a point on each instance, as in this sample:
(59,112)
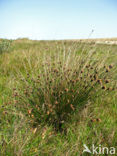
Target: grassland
(56,96)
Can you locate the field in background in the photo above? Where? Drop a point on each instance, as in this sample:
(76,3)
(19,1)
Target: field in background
(56,96)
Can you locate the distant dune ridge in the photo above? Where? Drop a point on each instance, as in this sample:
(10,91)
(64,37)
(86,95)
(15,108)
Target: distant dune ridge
(99,40)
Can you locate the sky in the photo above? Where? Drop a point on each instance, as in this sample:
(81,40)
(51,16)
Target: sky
(58,19)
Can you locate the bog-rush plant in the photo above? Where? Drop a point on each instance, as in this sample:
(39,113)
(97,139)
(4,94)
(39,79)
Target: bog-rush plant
(61,82)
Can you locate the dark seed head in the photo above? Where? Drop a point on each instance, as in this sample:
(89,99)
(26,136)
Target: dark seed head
(91,80)
(107,70)
(106,81)
(98,119)
(99,81)
(110,66)
(103,87)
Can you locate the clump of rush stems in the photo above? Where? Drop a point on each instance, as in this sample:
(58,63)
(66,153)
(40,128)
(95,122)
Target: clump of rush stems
(63,81)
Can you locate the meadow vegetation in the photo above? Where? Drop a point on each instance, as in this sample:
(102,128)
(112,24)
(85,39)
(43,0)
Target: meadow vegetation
(56,96)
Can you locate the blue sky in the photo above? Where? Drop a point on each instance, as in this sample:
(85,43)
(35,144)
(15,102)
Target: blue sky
(58,19)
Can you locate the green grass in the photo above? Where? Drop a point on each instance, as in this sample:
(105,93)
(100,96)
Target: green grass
(56,96)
